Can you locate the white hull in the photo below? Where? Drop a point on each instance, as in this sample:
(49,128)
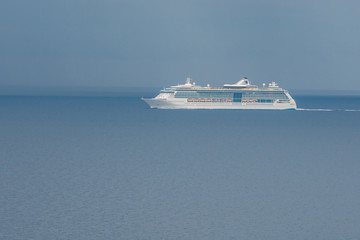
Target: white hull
(178,103)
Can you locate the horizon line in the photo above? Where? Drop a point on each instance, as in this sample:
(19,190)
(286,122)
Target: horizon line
(90,91)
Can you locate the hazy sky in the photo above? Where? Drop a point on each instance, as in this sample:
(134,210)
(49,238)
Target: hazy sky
(112,43)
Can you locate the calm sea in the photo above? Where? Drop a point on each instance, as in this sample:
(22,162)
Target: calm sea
(111,168)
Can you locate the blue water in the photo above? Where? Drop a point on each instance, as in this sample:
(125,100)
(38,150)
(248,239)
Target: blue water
(111,168)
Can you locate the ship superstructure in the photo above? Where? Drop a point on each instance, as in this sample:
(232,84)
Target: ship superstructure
(241,95)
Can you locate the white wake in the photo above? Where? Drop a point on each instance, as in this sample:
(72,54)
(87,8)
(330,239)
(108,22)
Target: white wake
(315,109)
(327,110)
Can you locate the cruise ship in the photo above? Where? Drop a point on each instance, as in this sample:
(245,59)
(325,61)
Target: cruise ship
(241,95)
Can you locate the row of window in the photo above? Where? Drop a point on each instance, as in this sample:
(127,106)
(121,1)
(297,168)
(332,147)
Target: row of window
(264,100)
(262,95)
(209,100)
(232,95)
(204,95)
(230,100)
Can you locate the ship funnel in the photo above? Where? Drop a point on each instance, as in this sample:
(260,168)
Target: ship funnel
(188,80)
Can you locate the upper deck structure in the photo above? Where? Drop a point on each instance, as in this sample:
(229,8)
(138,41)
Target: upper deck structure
(241,95)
